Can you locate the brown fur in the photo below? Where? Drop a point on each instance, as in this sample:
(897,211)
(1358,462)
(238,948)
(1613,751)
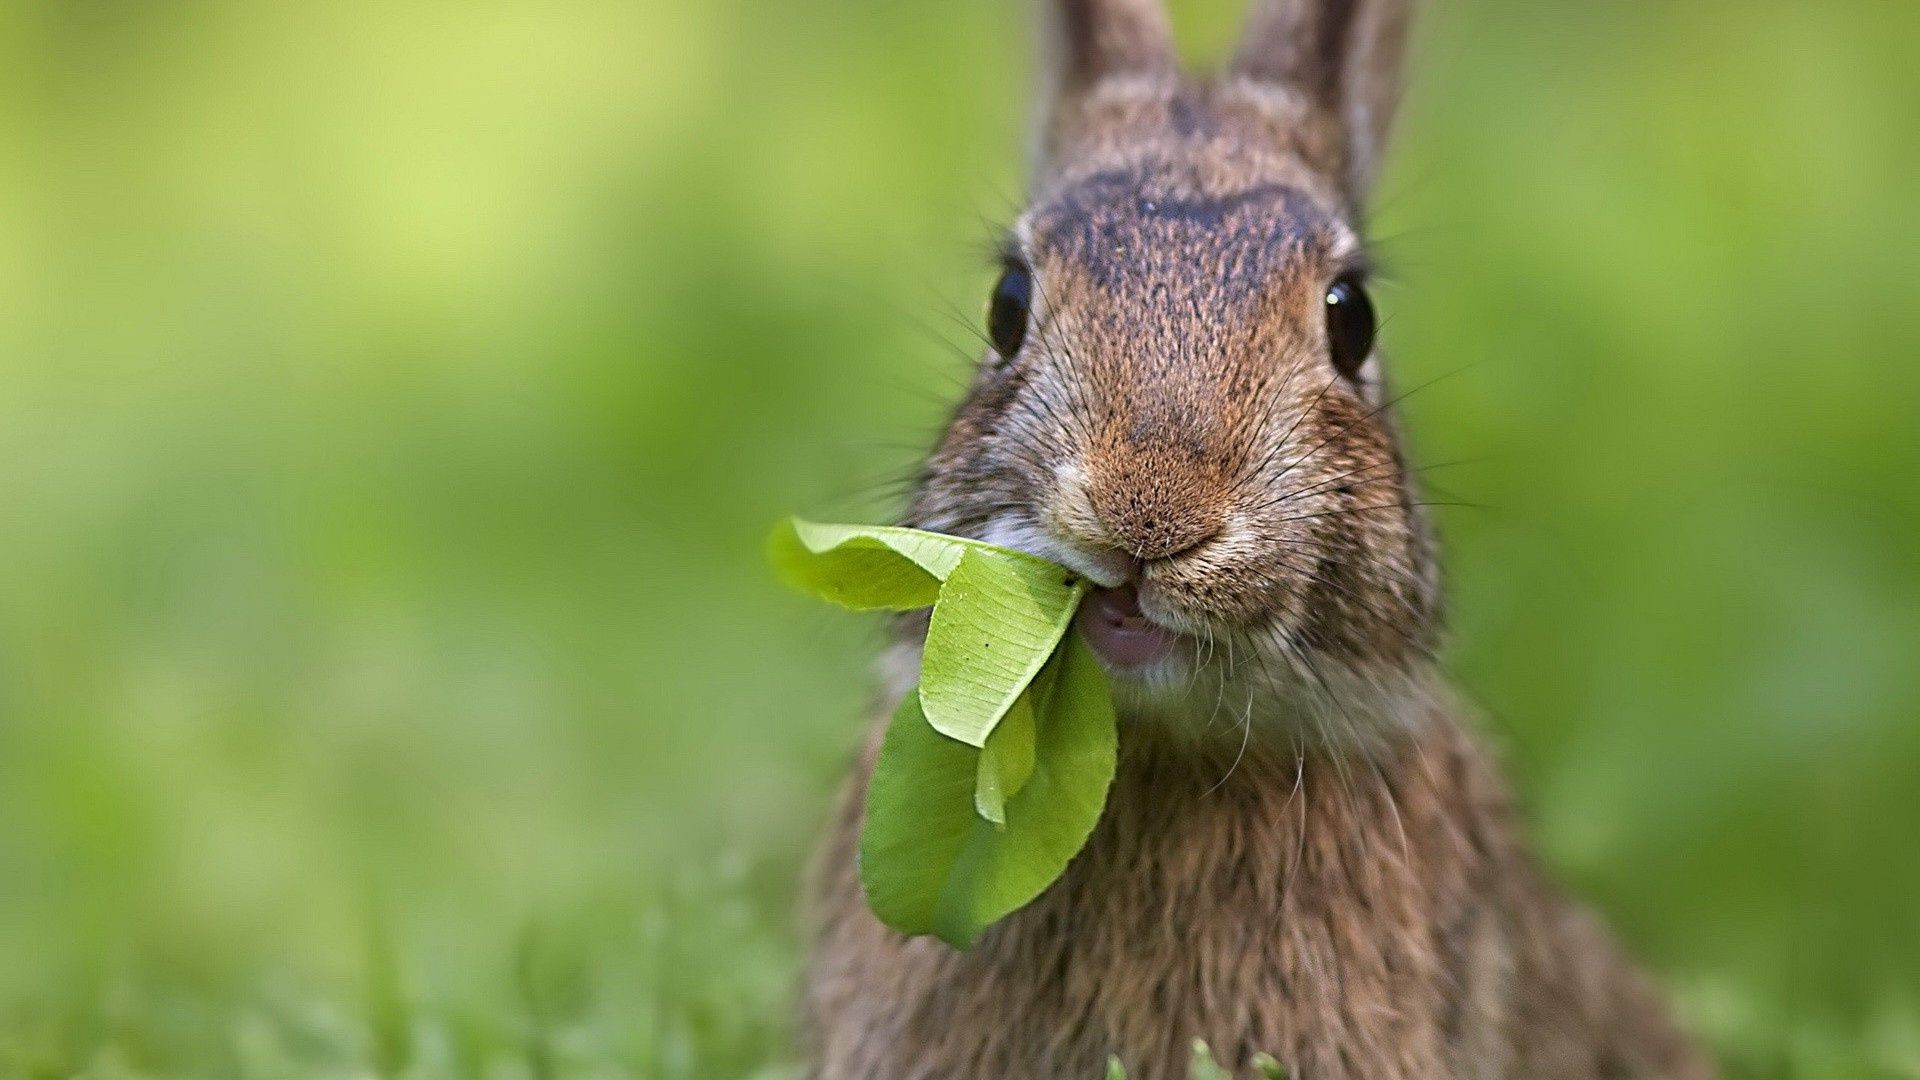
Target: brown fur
(1303,853)
(1372,921)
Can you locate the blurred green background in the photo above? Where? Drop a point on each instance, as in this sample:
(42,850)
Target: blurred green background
(393,397)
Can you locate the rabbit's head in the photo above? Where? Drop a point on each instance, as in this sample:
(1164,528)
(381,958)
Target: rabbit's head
(1182,399)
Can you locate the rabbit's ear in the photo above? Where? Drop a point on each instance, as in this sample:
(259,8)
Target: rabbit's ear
(1089,41)
(1345,57)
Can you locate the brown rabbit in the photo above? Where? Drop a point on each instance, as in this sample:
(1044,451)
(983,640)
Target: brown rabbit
(1304,853)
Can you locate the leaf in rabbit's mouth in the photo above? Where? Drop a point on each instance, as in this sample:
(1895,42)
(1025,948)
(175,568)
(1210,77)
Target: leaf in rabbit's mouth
(1121,634)
(995,769)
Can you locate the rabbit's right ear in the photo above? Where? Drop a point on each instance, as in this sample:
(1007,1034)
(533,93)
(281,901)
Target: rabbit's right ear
(1344,57)
(1089,42)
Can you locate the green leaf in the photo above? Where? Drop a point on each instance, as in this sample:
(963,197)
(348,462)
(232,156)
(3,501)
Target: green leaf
(931,864)
(1268,1068)
(1115,1070)
(1204,1067)
(999,617)
(995,768)
(913,835)
(864,567)
(1006,762)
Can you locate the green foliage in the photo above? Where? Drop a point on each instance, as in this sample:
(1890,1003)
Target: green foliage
(997,613)
(970,816)
(1006,761)
(864,567)
(1204,1067)
(999,617)
(932,864)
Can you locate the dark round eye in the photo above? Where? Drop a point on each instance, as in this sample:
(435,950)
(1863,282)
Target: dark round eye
(1007,311)
(1349,324)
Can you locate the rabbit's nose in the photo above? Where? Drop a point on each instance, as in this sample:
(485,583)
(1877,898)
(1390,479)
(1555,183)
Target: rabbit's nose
(1154,505)
(1147,532)
(1119,520)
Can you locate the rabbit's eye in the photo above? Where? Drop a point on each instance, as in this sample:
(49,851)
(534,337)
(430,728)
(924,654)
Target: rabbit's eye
(1007,311)
(1349,324)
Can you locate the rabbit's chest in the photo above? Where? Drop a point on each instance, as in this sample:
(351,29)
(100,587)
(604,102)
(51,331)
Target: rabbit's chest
(1290,911)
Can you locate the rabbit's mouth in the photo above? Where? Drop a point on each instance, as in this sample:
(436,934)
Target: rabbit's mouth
(1121,634)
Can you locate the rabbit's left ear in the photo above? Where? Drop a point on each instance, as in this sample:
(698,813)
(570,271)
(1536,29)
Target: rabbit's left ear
(1344,56)
(1086,44)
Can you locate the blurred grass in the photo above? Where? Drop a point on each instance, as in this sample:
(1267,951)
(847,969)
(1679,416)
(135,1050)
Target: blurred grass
(395,395)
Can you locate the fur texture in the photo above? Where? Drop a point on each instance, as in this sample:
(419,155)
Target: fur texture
(1303,852)
(1375,920)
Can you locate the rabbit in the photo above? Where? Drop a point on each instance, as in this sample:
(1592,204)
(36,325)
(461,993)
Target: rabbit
(1306,852)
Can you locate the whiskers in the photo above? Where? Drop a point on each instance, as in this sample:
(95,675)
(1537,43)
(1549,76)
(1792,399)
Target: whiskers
(1267,678)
